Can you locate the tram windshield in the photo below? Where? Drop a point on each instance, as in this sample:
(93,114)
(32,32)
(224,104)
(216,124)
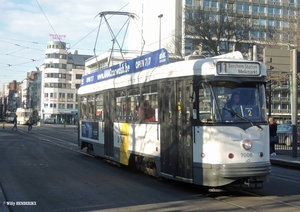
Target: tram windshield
(232,102)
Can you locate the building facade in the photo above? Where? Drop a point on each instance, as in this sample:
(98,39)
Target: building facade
(60,78)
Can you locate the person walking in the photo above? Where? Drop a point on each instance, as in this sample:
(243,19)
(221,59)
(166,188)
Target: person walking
(30,123)
(273,135)
(15,123)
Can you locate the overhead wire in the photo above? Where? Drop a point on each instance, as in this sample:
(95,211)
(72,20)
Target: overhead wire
(97,27)
(46,17)
(2,39)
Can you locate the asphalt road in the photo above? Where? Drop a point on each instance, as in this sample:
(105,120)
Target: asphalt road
(46,169)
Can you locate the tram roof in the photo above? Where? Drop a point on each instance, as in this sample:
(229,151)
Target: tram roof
(198,67)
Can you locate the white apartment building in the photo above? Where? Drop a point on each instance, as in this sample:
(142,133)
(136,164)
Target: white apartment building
(60,79)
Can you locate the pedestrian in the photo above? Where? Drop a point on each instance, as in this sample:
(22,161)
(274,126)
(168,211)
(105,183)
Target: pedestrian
(30,123)
(273,135)
(15,123)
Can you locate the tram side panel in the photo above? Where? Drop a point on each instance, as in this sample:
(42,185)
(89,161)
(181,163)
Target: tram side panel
(137,139)
(92,133)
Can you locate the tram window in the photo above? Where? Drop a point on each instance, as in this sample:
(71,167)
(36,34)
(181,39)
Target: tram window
(91,108)
(99,107)
(205,106)
(121,105)
(150,104)
(83,107)
(188,92)
(231,102)
(133,104)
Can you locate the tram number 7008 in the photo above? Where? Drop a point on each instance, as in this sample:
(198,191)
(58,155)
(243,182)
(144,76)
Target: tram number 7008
(246,155)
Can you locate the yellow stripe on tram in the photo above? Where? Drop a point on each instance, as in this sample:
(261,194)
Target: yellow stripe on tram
(124,157)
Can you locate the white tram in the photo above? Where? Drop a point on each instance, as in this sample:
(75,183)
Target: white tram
(172,120)
(23,115)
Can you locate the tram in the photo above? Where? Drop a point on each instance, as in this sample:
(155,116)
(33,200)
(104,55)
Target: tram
(23,115)
(172,120)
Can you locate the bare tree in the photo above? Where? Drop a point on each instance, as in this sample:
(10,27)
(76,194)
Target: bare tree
(176,45)
(219,31)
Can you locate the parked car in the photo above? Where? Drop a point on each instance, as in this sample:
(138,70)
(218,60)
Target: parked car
(49,121)
(285,134)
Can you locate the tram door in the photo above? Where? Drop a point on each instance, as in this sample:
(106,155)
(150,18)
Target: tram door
(108,124)
(176,135)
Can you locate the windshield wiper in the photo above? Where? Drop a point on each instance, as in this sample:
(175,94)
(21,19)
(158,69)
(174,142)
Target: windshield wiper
(241,117)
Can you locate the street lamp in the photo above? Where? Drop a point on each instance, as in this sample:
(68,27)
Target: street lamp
(160,16)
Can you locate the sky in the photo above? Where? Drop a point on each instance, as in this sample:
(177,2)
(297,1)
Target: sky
(26,26)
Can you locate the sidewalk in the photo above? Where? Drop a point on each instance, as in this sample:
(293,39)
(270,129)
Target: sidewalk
(285,160)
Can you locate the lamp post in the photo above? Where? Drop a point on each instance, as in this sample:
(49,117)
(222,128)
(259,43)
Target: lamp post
(160,16)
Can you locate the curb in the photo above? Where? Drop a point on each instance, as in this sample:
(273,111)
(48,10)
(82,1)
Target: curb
(285,163)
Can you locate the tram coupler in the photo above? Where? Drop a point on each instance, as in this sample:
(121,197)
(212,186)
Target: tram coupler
(252,183)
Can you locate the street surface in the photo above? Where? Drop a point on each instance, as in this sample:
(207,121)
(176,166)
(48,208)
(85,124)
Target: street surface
(45,171)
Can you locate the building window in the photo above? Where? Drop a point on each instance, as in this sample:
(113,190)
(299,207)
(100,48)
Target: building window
(277,11)
(255,9)
(78,76)
(188,2)
(206,3)
(197,2)
(262,22)
(214,4)
(70,97)
(52,105)
(262,9)
(61,97)
(270,10)
(223,5)
(239,7)
(69,106)
(61,106)
(45,106)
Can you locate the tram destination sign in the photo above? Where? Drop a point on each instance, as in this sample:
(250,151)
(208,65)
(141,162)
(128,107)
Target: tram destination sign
(238,68)
(151,60)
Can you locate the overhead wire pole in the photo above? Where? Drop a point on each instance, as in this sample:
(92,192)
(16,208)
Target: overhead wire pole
(94,50)
(294,108)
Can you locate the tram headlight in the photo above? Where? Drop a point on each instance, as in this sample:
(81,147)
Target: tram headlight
(247,144)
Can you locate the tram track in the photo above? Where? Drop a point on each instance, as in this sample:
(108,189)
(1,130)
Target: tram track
(252,201)
(48,139)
